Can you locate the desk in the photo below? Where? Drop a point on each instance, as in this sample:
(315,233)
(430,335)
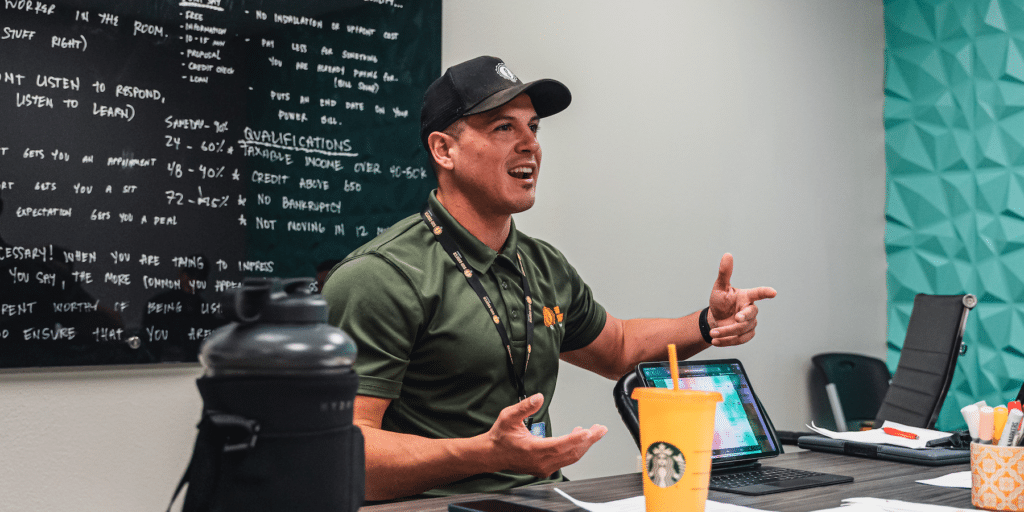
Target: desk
(872,478)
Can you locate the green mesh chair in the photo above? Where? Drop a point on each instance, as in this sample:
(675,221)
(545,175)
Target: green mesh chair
(856,385)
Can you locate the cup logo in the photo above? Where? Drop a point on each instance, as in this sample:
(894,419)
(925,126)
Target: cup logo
(665,464)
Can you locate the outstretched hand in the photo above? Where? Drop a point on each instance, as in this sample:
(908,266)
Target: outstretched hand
(522,452)
(733,314)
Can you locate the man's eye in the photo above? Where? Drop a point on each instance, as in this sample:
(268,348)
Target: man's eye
(503,127)
(535,128)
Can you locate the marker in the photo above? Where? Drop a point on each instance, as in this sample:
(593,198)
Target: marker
(970,413)
(999,413)
(985,425)
(1013,421)
(1014,405)
(899,433)
(1019,439)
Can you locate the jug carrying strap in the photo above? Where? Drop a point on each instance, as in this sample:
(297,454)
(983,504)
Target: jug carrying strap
(219,434)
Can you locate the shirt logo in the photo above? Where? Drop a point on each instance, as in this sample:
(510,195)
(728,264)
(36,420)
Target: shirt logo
(553,316)
(505,73)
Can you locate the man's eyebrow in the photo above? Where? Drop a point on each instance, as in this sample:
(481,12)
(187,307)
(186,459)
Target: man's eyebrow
(490,117)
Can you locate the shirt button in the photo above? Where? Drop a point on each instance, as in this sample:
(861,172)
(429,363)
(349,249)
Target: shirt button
(504,285)
(515,314)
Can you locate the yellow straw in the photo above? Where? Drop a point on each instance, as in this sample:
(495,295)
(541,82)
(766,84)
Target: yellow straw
(673,365)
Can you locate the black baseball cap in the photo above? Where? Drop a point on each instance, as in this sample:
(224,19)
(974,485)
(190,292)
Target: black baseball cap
(482,84)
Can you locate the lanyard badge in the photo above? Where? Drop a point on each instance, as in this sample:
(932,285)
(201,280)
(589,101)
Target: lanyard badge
(451,247)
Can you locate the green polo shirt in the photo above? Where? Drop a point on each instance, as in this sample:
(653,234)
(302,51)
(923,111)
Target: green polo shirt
(427,343)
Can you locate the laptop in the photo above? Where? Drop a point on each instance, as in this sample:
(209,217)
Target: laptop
(744,434)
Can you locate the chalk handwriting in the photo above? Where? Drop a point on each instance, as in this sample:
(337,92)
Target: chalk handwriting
(69,43)
(13,33)
(33,100)
(147,29)
(30,6)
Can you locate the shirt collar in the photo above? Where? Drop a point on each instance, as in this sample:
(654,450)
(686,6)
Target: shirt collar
(477,254)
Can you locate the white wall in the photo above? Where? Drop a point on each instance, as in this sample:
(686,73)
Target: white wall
(697,127)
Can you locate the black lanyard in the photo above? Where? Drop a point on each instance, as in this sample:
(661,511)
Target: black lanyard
(452,248)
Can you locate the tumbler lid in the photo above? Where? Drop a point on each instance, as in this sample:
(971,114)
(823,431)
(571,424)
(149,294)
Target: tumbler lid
(277,327)
(275,301)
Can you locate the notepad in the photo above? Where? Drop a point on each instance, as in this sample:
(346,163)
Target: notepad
(924,457)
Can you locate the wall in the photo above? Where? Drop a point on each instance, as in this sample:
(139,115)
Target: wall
(699,128)
(696,128)
(955,208)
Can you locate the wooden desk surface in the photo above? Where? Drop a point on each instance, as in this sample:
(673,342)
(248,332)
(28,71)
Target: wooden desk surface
(872,478)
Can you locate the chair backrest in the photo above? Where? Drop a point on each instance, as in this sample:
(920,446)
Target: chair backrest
(860,383)
(624,402)
(927,361)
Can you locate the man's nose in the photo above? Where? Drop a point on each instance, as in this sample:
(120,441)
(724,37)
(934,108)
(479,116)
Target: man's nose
(528,142)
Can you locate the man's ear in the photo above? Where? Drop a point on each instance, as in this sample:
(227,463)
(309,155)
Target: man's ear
(441,145)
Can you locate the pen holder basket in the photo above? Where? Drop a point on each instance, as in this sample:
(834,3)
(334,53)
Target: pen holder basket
(997,477)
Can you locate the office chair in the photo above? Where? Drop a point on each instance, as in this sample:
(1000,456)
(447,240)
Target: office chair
(627,407)
(855,385)
(923,374)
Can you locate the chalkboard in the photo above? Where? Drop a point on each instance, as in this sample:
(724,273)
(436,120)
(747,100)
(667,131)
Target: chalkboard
(153,154)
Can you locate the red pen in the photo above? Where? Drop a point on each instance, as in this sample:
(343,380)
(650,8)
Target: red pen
(899,433)
(1014,405)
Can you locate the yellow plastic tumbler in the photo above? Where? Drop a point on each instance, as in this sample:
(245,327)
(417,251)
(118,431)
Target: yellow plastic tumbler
(676,430)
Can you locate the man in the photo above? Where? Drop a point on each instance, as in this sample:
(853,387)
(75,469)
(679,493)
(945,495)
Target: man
(461,319)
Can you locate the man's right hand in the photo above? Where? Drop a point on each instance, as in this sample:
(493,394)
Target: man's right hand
(399,465)
(522,452)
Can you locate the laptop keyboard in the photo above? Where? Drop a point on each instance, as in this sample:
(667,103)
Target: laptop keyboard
(762,475)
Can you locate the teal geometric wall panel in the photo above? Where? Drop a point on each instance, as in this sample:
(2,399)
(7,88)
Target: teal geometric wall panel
(954,138)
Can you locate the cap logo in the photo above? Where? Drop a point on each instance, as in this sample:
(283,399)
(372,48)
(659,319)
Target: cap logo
(505,73)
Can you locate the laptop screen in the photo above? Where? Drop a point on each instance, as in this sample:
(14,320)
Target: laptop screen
(742,428)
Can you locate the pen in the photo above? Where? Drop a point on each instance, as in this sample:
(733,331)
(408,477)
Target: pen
(985,425)
(899,433)
(1014,405)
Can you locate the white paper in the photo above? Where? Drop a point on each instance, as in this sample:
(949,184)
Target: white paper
(637,504)
(960,480)
(880,505)
(900,506)
(853,507)
(878,437)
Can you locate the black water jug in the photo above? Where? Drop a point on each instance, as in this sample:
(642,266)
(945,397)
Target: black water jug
(278,387)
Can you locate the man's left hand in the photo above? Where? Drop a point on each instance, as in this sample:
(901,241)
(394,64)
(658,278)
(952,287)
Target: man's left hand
(733,314)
